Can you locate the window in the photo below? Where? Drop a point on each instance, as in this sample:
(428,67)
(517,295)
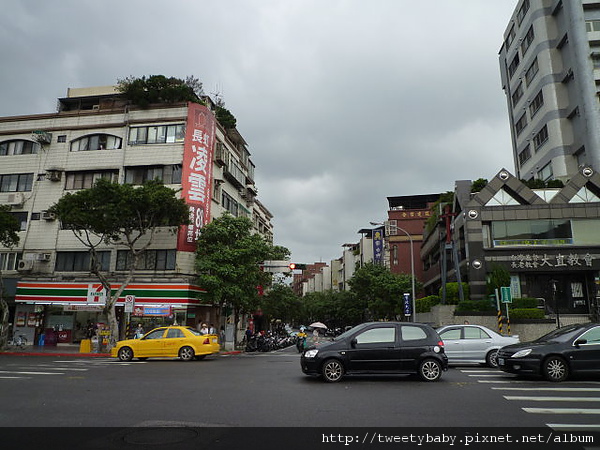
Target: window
(514,64)
(531,72)
(412,333)
(175,333)
(517,94)
(453,333)
(377,335)
(536,103)
(475,333)
(229,204)
(19,147)
(524,155)
(510,37)
(522,11)
(540,138)
(85,180)
(9,260)
(61,138)
(149,260)
(161,134)
(80,261)
(96,142)
(21,218)
(521,124)
(16,182)
(527,40)
(532,232)
(546,173)
(156,334)
(592,25)
(167,174)
(592,336)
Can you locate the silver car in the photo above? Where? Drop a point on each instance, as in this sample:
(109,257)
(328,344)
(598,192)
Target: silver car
(473,344)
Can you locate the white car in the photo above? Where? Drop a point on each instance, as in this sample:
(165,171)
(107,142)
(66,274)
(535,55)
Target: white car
(473,344)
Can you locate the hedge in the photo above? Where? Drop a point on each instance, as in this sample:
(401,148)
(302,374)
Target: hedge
(527,313)
(423,305)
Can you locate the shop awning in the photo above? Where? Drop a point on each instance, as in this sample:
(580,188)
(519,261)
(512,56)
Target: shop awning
(73,293)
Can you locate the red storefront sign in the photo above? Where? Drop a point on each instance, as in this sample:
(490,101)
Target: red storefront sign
(197,173)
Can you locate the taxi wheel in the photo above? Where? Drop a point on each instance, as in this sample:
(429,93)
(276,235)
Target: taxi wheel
(125,354)
(186,353)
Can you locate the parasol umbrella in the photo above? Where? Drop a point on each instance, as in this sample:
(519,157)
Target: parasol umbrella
(318,325)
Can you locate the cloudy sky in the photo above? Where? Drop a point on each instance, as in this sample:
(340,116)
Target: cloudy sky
(343,102)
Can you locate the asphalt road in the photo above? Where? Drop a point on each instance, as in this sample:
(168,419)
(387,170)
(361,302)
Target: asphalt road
(269,390)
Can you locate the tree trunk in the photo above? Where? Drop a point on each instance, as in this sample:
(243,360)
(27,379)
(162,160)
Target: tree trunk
(3,316)
(236,324)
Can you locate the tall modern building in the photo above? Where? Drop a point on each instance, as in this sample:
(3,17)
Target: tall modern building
(550,72)
(96,133)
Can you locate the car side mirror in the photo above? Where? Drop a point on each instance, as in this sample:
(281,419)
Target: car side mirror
(579,342)
(353,343)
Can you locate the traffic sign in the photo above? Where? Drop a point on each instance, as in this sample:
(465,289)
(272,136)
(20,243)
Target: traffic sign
(506,295)
(129,303)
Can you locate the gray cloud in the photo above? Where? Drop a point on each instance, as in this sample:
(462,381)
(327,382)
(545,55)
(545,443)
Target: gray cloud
(343,103)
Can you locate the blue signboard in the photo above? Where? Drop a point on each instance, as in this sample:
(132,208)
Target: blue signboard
(377,247)
(407,305)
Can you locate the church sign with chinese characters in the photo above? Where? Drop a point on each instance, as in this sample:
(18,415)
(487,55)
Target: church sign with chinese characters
(554,261)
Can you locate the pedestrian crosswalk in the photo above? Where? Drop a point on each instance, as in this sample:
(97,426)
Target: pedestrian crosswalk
(58,367)
(575,403)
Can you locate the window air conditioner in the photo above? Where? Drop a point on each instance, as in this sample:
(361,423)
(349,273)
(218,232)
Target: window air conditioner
(48,215)
(53,175)
(44,257)
(15,199)
(25,265)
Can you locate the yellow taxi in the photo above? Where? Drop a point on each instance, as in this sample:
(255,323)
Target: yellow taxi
(168,342)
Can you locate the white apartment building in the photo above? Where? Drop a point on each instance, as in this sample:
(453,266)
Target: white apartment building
(96,134)
(550,72)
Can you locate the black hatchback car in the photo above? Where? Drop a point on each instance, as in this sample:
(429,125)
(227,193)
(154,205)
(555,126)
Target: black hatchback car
(570,350)
(379,347)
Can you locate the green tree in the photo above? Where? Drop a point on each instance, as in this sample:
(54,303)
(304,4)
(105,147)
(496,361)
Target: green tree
(145,91)
(9,227)
(228,258)
(498,277)
(281,303)
(124,215)
(381,289)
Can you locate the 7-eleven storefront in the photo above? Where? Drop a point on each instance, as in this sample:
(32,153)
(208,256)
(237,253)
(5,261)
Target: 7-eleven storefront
(66,312)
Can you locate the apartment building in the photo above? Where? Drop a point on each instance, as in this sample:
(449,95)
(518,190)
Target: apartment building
(96,133)
(550,73)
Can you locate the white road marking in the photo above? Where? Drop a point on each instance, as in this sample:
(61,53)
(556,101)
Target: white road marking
(552,399)
(31,373)
(562,410)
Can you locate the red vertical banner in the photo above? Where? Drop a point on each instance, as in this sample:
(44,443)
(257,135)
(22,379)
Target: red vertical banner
(197,176)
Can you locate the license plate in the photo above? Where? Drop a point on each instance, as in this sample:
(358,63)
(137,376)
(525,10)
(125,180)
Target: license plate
(501,361)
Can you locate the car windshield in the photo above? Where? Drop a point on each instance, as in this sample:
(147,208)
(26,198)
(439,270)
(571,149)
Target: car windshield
(560,334)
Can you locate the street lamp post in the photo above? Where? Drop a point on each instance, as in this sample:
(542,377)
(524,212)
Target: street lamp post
(412,265)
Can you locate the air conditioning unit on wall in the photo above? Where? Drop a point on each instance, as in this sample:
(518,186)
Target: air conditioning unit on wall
(48,215)
(44,257)
(15,199)
(25,265)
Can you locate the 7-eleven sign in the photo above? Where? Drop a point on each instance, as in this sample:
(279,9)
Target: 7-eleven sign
(96,294)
